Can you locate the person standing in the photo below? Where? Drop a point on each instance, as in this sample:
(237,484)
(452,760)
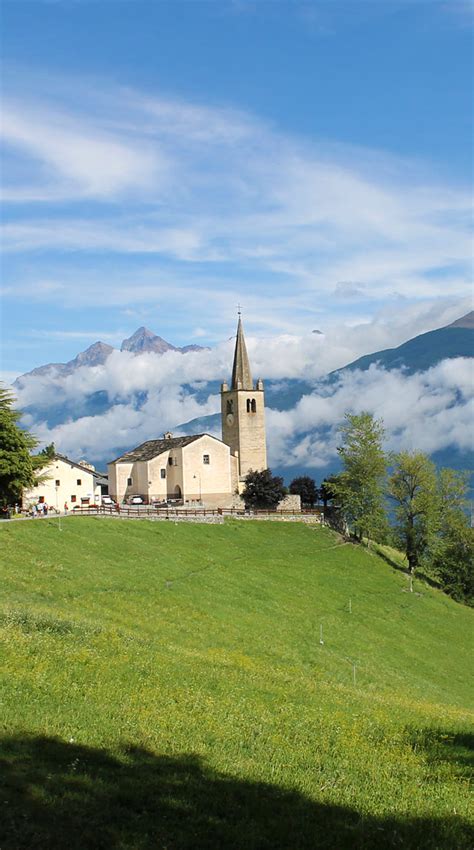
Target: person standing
(66,508)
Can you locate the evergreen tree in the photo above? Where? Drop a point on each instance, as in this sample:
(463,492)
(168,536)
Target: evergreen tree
(263,490)
(17,467)
(359,488)
(413,488)
(305,487)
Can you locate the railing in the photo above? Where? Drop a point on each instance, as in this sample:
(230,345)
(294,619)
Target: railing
(150,510)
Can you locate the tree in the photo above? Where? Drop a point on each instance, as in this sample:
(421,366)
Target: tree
(305,487)
(17,467)
(263,490)
(48,452)
(452,559)
(453,565)
(325,492)
(359,488)
(413,488)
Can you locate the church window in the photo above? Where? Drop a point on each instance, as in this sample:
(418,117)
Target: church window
(248,405)
(129,482)
(57,482)
(79,482)
(251,405)
(162,473)
(230,406)
(254,406)
(206,459)
(170,461)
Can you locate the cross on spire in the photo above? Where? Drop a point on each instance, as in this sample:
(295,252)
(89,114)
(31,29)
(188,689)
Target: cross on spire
(239,309)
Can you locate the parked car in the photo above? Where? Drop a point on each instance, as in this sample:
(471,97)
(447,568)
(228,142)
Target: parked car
(135,500)
(107,500)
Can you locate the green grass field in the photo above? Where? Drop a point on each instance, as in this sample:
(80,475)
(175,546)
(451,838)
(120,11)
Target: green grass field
(164,686)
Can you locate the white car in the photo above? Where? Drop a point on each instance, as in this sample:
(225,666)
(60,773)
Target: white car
(135,500)
(107,500)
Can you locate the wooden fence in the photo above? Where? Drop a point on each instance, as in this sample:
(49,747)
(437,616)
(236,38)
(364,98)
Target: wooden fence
(151,511)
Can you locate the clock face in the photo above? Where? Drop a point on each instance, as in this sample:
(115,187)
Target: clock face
(230,419)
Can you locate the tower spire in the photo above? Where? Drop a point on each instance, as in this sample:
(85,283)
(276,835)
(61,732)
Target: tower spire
(241,374)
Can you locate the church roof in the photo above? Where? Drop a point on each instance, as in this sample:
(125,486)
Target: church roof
(153,448)
(241,374)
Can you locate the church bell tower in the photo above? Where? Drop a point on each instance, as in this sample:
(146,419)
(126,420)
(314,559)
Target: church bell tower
(243,412)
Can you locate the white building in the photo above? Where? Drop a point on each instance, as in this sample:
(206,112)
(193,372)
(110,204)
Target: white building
(67,482)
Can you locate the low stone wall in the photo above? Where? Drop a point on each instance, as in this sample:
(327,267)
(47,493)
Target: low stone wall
(212,518)
(290,503)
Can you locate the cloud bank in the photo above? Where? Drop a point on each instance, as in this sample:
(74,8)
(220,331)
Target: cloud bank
(148,394)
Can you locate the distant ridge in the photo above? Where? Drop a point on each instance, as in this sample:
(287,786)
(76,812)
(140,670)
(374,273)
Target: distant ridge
(466,321)
(423,351)
(143,340)
(95,355)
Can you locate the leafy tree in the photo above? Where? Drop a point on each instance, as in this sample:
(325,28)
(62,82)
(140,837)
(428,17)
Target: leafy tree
(359,488)
(413,488)
(452,559)
(325,492)
(305,487)
(17,467)
(453,565)
(263,490)
(48,451)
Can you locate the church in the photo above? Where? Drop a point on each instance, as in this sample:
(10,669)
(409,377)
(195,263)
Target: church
(200,468)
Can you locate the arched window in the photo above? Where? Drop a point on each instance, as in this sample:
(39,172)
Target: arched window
(230,406)
(254,406)
(251,405)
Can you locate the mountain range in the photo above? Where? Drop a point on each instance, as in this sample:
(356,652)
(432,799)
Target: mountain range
(142,341)
(424,401)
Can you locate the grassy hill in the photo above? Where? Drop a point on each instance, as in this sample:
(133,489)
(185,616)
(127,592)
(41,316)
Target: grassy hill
(164,686)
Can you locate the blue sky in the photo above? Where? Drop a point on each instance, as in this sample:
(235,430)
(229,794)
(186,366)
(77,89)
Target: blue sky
(163,161)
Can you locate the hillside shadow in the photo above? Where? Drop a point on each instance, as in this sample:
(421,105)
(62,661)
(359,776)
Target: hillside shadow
(421,575)
(439,745)
(57,795)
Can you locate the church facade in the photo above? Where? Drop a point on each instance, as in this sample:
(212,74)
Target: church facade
(200,468)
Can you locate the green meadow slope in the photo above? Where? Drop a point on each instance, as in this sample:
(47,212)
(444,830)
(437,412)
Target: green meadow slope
(164,686)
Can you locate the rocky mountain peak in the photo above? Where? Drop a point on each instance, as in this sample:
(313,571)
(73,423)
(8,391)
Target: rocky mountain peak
(95,355)
(145,340)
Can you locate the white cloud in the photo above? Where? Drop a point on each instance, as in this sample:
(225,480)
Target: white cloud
(427,411)
(213,188)
(76,159)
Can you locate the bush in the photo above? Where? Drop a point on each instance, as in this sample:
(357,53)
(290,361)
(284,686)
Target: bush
(263,490)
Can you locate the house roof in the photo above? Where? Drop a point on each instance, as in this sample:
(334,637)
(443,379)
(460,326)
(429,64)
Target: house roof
(77,465)
(153,448)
